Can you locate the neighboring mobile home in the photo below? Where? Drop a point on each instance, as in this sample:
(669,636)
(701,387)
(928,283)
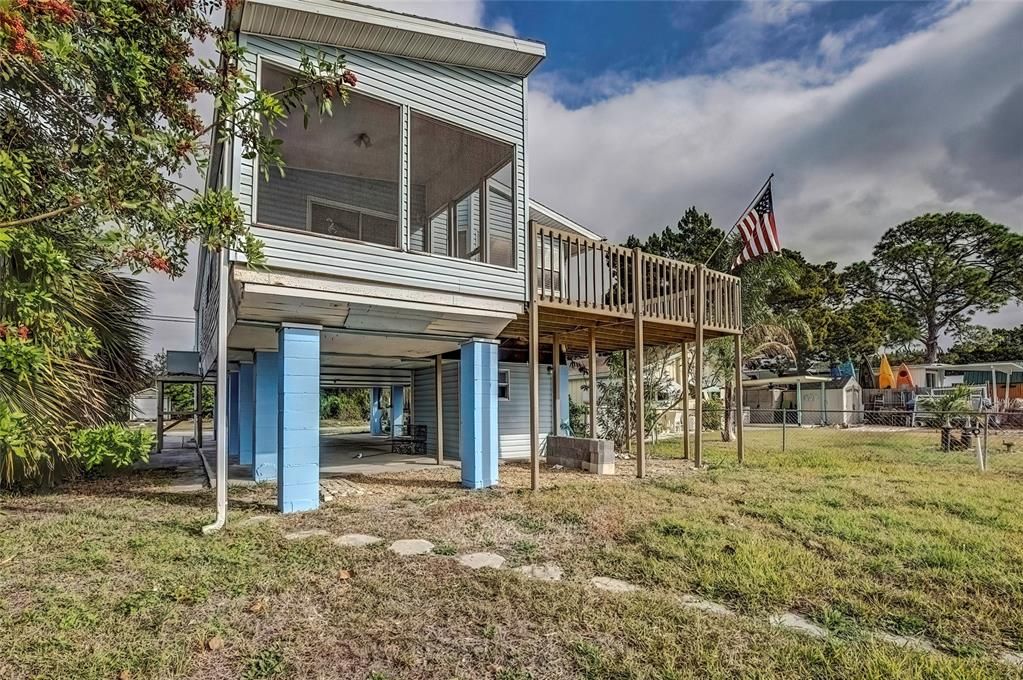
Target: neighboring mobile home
(398,247)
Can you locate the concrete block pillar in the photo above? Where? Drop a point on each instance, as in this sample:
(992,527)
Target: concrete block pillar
(376,414)
(233,439)
(397,410)
(564,405)
(477,386)
(246,412)
(298,422)
(264,449)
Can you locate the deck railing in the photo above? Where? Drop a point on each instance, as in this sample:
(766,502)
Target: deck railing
(573,272)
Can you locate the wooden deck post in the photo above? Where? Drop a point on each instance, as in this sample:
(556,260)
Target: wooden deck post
(593,383)
(627,401)
(534,364)
(701,307)
(685,401)
(438,391)
(556,385)
(738,397)
(637,301)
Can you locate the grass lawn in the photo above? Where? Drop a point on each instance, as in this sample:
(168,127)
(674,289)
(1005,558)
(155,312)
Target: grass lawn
(856,531)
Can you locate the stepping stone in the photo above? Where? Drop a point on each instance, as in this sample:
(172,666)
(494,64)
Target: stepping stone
(411,546)
(693,602)
(1012,658)
(305,533)
(481,560)
(255,519)
(797,623)
(907,641)
(544,572)
(356,540)
(613,585)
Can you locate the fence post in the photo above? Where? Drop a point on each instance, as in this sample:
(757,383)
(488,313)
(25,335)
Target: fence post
(987,420)
(784,425)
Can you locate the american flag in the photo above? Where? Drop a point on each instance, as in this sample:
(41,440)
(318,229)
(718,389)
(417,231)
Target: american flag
(758,230)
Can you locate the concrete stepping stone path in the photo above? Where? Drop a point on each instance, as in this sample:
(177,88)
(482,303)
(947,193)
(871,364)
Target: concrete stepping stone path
(613,585)
(411,546)
(797,623)
(909,642)
(481,560)
(357,540)
(541,572)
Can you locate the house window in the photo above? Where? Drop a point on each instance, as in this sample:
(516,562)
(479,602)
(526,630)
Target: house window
(348,221)
(548,255)
(341,173)
(504,385)
(461,184)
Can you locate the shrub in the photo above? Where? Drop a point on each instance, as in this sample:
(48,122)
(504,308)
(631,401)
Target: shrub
(713,413)
(110,445)
(346,405)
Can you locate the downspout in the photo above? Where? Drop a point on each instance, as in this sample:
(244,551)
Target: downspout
(223,282)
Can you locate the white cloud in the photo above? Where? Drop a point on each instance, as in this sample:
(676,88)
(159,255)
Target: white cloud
(773,12)
(856,151)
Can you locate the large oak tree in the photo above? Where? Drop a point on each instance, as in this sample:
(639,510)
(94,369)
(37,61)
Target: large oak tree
(940,270)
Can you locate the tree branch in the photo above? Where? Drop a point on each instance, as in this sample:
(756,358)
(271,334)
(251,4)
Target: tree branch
(42,216)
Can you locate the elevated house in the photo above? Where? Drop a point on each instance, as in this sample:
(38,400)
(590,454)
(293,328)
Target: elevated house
(404,253)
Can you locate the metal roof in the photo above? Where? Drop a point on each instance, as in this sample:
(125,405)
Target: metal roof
(787,380)
(1003,366)
(358,27)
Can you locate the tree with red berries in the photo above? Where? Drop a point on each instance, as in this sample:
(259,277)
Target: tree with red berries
(98,120)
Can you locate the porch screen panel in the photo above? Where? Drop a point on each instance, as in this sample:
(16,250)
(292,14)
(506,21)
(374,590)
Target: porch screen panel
(501,218)
(341,172)
(465,180)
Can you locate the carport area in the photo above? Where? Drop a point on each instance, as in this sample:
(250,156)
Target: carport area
(361,453)
(345,454)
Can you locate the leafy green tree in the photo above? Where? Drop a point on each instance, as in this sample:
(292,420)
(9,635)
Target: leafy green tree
(99,118)
(812,293)
(979,345)
(693,239)
(940,270)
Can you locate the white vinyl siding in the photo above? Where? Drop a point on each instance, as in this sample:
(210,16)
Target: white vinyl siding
(491,104)
(512,414)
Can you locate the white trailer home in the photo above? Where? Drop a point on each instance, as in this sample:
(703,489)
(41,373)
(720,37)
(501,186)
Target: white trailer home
(404,253)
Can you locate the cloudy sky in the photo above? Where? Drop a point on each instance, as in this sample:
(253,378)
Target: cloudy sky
(868,113)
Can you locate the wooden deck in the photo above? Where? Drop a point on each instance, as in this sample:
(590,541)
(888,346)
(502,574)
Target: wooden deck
(582,284)
(588,297)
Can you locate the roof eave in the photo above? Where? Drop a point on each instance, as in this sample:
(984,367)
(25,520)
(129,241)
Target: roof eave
(359,27)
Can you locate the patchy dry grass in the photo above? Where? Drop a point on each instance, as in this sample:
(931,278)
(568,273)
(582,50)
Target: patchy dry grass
(855,533)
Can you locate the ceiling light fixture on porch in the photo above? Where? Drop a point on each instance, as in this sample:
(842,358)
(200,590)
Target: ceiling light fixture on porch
(363,140)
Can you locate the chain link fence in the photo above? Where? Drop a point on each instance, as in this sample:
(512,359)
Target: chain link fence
(982,436)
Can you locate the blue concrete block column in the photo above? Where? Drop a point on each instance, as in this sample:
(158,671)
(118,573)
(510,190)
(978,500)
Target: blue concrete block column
(264,448)
(232,413)
(376,414)
(397,410)
(477,401)
(298,422)
(246,412)
(564,405)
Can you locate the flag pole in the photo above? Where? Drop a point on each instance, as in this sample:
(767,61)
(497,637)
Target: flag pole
(756,197)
